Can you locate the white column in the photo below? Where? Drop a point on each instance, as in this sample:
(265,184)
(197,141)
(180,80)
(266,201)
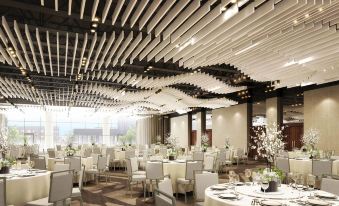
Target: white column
(106,131)
(49,130)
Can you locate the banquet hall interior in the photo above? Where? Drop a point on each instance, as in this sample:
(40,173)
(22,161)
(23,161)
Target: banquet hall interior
(169,102)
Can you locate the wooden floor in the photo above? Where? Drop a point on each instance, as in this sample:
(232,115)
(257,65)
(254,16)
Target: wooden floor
(115,193)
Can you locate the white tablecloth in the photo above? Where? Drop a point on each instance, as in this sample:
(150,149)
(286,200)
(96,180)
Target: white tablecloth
(247,194)
(304,166)
(24,189)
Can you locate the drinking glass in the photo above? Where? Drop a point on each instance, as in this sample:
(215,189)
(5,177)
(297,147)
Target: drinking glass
(248,174)
(299,184)
(310,182)
(264,185)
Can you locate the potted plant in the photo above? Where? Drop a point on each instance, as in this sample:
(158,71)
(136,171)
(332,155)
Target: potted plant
(4,166)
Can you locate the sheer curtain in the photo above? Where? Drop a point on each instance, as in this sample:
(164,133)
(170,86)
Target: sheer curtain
(148,129)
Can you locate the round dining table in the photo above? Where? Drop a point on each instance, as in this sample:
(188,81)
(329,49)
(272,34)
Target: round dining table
(248,194)
(304,166)
(23,186)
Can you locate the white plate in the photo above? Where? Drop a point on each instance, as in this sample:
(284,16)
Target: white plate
(317,202)
(181,161)
(270,203)
(239,183)
(324,194)
(228,196)
(218,187)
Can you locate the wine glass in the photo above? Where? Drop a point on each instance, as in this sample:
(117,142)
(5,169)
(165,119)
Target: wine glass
(265,185)
(299,184)
(294,177)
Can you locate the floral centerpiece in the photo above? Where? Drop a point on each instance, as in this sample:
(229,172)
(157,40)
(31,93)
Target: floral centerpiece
(273,176)
(310,139)
(4,166)
(268,142)
(70,150)
(204,142)
(171,142)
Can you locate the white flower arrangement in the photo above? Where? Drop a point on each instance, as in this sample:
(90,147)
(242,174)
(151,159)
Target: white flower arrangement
(4,163)
(311,137)
(227,143)
(70,151)
(171,140)
(204,140)
(268,141)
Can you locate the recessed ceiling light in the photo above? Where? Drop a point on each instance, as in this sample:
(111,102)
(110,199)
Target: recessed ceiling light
(320,9)
(295,21)
(307,15)
(95,25)
(233,1)
(93,30)
(223,9)
(96,19)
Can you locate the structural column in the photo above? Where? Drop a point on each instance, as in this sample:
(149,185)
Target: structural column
(274,111)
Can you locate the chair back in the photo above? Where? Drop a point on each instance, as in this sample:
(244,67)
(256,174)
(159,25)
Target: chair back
(191,166)
(165,186)
(95,158)
(110,152)
(87,152)
(203,181)
(51,153)
(330,185)
(81,177)
(58,147)
(74,163)
(209,162)
(134,164)
(102,160)
(60,167)
(61,185)
(154,170)
(39,162)
(129,154)
(321,167)
(3,191)
(222,156)
(129,167)
(283,164)
(240,153)
(228,155)
(198,155)
(163,199)
(96,150)
(163,152)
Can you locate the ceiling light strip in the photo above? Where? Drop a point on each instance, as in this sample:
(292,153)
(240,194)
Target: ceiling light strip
(127,12)
(101,44)
(49,53)
(40,50)
(74,52)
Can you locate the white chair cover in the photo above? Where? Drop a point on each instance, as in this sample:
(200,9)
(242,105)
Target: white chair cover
(61,186)
(154,170)
(60,167)
(95,158)
(102,163)
(163,199)
(198,155)
(321,167)
(165,186)
(209,162)
(39,163)
(134,164)
(283,164)
(74,163)
(202,181)
(192,166)
(330,185)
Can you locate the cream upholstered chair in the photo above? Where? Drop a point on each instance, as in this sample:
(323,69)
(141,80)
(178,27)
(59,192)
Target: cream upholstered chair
(39,162)
(163,199)
(154,173)
(166,186)
(60,190)
(135,165)
(203,181)
(283,163)
(198,155)
(76,191)
(60,167)
(51,152)
(100,168)
(191,166)
(74,163)
(331,185)
(209,163)
(134,178)
(321,167)
(95,159)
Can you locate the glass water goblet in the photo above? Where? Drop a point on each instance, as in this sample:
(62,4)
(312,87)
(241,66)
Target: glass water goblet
(248,174)
(265,185)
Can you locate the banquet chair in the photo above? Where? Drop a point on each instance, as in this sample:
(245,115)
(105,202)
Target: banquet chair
(166,186)
(134,167)
(134,178)
(74,164)
(87,152)
(60,190)
(329,184)
(209,163)
(321,167)
(203,181)
(129,153)
(163,199)
(76,191)
(51,152)
(96,150)
(163,152)
(95,159)
(3,191)
(154,173)
(240,155)
(283,164)
(114,160)
(99,170)
(60,167)
(221,160)
(198,155)
(39,162)
(191,166)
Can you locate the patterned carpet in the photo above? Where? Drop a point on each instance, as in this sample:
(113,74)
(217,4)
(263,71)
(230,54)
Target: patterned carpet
(115,192)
